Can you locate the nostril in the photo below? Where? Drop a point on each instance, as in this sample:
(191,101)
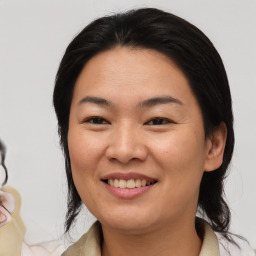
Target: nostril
(124,151)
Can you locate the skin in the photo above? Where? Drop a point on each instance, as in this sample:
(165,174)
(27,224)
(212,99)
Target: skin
(130,137)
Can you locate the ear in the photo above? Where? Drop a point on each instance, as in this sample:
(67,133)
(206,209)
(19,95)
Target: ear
(215,146)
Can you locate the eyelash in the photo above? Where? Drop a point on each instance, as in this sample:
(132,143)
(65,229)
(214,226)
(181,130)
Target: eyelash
(162,120)
(99,121)
(96,120)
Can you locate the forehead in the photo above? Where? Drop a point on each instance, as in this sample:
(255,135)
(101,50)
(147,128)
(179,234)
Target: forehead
(124,71)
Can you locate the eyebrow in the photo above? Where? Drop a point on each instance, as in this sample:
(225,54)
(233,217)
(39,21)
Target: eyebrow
(159,100)
(95,100)
(146,103)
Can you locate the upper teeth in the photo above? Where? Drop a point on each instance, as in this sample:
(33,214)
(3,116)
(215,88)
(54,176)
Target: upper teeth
(128,183)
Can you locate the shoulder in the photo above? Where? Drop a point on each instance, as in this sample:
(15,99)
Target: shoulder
(76,248)
(229,249)
(89,244)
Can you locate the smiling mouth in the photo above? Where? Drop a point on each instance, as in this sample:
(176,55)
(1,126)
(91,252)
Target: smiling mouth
(130,184)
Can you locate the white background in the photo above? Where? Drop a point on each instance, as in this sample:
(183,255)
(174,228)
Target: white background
(33,37)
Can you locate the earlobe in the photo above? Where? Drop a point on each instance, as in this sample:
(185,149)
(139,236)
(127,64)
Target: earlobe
(215,148)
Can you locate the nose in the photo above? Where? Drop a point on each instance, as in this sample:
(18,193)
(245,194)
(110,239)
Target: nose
(126,144)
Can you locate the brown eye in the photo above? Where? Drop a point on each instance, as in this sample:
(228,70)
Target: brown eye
(96,120)
(158,121)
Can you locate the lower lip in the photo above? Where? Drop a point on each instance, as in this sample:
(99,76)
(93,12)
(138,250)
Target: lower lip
(128,193)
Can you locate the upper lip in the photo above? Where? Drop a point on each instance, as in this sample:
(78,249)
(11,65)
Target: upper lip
(127,176)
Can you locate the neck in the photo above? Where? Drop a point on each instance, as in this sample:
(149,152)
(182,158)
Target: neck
(162,242)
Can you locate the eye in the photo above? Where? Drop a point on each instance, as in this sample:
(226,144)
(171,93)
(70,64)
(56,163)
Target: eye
(159,121)
(96,120)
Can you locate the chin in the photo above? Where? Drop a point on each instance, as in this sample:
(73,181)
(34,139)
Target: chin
(128,222)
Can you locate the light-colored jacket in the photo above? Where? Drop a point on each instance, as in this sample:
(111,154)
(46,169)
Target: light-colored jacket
(89,244)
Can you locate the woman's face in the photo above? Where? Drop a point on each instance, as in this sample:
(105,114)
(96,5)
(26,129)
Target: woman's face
(136,140)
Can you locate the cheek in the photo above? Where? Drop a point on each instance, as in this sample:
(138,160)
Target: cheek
(180,147)
(182,160)
(182,156)
(84,151)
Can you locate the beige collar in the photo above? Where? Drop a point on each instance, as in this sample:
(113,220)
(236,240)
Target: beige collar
(89,244)
(210,246)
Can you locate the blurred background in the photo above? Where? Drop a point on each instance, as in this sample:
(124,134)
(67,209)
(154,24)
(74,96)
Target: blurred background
(33,38)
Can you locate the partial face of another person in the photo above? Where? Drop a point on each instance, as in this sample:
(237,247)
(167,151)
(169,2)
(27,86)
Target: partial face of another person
(136,141)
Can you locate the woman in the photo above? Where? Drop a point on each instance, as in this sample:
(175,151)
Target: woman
(145,120)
